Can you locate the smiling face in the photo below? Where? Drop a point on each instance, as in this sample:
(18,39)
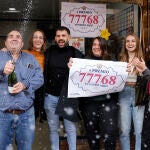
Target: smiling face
(130,44)
(38,40)
(14,42)
(96,48)
(131,48)
(62,38)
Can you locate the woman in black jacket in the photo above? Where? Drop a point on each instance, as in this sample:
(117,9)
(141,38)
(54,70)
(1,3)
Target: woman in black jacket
(142,68)
(100,113)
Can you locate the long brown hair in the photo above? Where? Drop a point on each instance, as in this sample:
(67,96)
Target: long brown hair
(124,56)
(43,49)
(103,46)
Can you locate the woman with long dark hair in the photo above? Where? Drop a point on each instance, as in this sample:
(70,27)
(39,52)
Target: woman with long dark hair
(100,113)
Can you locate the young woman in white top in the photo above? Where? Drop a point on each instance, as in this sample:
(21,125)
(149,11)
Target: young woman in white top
(128,112)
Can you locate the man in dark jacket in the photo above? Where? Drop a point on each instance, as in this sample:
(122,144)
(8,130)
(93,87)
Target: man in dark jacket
(56,74)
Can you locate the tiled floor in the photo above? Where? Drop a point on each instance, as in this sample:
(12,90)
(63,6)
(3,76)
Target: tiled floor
(41,141)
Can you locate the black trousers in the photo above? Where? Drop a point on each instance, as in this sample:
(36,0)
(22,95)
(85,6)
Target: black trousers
(101,121)
(39,104)
(146,129)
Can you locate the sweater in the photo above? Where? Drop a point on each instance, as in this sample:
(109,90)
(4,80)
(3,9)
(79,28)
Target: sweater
(56,69)
(39,57)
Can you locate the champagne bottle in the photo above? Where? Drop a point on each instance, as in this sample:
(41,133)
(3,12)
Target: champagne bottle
(12,80)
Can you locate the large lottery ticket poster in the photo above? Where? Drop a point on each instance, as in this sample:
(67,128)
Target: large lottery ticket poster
(96,77)
(83,20)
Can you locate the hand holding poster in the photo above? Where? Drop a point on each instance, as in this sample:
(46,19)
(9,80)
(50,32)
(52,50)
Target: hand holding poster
(96,77)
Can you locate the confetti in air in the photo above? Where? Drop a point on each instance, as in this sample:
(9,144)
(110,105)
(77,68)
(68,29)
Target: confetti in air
(69,110)
(93,142)
(90,123)
(145,145)
(108,96)
(9,147)
(26,16)
(32,127)
(61,126)
(107,108)
(97,137)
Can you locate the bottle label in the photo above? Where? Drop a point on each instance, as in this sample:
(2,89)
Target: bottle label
(10,89)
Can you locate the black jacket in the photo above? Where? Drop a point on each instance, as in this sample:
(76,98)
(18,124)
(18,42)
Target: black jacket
(56,69)
(67,108)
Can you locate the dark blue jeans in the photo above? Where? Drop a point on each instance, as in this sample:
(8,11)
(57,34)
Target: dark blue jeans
(50,104)
(23,125)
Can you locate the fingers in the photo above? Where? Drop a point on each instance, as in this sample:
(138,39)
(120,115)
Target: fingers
(135,61)
(18,87)
(130,68)
(139,64)
(9,67)
(141,59)
(70,62)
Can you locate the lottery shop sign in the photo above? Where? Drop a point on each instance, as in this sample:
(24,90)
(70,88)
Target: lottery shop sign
(94,77)
(83,20)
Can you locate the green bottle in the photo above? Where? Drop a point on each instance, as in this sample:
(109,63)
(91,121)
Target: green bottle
(12,80)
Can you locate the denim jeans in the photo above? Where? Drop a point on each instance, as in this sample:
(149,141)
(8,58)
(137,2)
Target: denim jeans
(128,112)
(22,126)
(53,122)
